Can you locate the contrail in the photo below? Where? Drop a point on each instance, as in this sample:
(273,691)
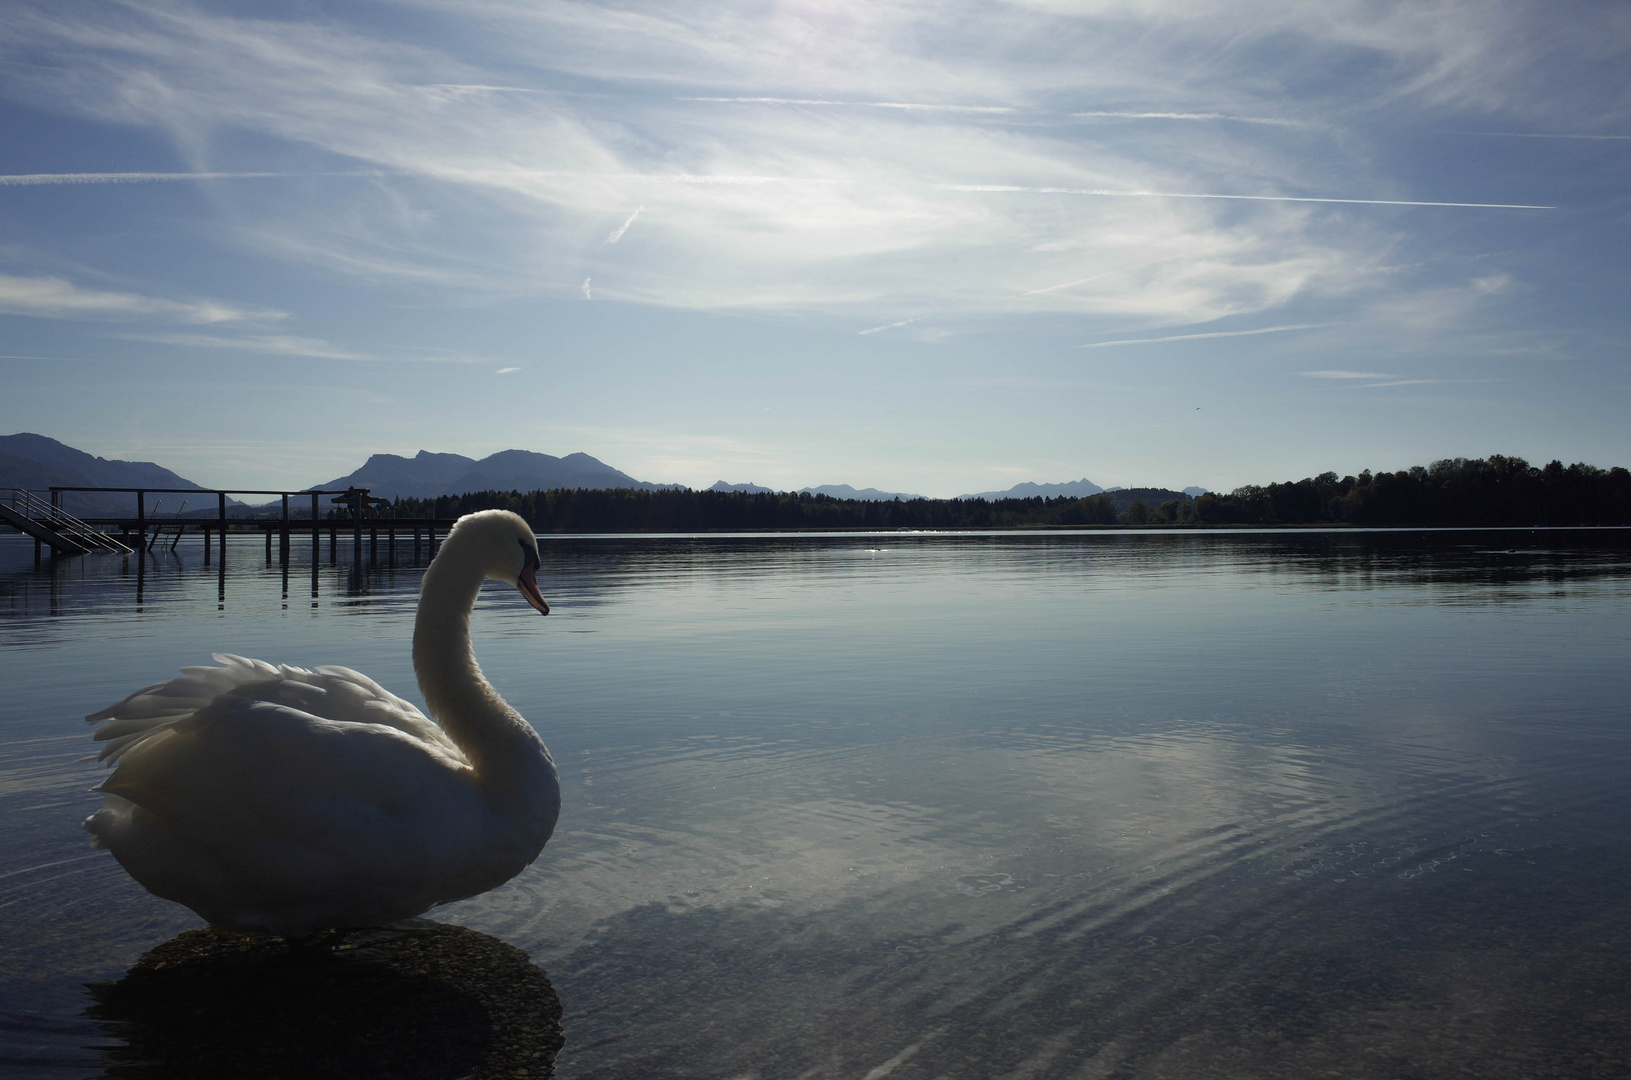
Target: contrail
(880,329)
(1251,198)
(35,179)
(1000,110)
(617,233)
(911,106)
(1107,114)
(1213,334)
(484,88)
(1545,135)
(1066,285)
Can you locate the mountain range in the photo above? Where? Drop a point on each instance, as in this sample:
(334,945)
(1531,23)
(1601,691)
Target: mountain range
(834,491)
(37,462)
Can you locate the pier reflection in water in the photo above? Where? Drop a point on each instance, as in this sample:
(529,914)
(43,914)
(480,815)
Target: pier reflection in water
(416,1001)
(1176,805)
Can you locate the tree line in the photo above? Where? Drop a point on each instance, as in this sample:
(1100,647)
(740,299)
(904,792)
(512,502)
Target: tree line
(1494,491)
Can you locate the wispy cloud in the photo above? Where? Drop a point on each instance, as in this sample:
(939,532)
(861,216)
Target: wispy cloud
(1000,188)
(1369,380)
(56,298)
(507,371)
(1213,334)
(587,294)
(886,326)
(497,170)
(1548,135)
(276,344)
(40,179)
(617,233)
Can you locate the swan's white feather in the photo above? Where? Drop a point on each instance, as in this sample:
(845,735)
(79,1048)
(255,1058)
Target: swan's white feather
(329,692)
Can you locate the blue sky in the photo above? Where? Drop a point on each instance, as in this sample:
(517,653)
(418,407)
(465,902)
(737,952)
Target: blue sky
(936,248)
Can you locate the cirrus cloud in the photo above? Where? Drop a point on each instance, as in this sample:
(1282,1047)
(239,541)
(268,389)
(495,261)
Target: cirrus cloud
(57,298)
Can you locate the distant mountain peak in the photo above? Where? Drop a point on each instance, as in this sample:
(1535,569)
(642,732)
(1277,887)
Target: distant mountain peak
(749,488)
(1071,489)
(844,491)
(427,474)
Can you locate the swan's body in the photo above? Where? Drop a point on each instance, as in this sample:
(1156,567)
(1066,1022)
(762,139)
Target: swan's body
(281,799)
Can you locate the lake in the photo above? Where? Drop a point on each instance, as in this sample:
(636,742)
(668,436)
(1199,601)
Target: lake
(1114,804)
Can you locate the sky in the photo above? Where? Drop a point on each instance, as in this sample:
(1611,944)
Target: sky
(927,247)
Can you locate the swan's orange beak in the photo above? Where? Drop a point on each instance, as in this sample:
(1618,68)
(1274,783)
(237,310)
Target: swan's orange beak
(528,583)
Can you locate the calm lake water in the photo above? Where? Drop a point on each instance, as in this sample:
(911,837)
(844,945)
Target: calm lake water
(1105,805)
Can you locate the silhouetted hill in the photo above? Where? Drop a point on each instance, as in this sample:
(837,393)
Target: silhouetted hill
(749,489)
(1071,489)
(37,462)
(844,491)
(427,475)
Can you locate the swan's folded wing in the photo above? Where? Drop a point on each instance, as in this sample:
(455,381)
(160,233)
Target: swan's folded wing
(332,693)
(286,792)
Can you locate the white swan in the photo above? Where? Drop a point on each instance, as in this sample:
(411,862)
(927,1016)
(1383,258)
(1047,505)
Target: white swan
(281,799)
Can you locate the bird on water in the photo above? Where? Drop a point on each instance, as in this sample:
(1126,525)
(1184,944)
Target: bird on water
(278,799)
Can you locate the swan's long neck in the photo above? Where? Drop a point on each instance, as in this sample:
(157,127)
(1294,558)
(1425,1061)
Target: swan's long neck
(508,757)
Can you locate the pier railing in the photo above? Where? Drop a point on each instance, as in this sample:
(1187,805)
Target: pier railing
(54,526)
(358,512)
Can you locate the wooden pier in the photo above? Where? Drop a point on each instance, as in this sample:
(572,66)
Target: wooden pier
(303,513)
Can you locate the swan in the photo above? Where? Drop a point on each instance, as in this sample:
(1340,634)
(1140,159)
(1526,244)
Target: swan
(290,801)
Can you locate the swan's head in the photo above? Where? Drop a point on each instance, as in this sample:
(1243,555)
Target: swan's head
(503,545)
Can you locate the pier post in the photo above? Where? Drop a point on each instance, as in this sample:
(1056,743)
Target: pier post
(268,545)
(316,531)
(205,529)
(283,539)
(333,539)
(221,503)
(141,521)
(356,528)
(373,544)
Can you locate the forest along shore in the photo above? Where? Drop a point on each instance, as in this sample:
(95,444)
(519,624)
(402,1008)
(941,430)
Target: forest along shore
(1487,492)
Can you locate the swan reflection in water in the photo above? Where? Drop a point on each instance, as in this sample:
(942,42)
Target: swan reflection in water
(417,1000)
